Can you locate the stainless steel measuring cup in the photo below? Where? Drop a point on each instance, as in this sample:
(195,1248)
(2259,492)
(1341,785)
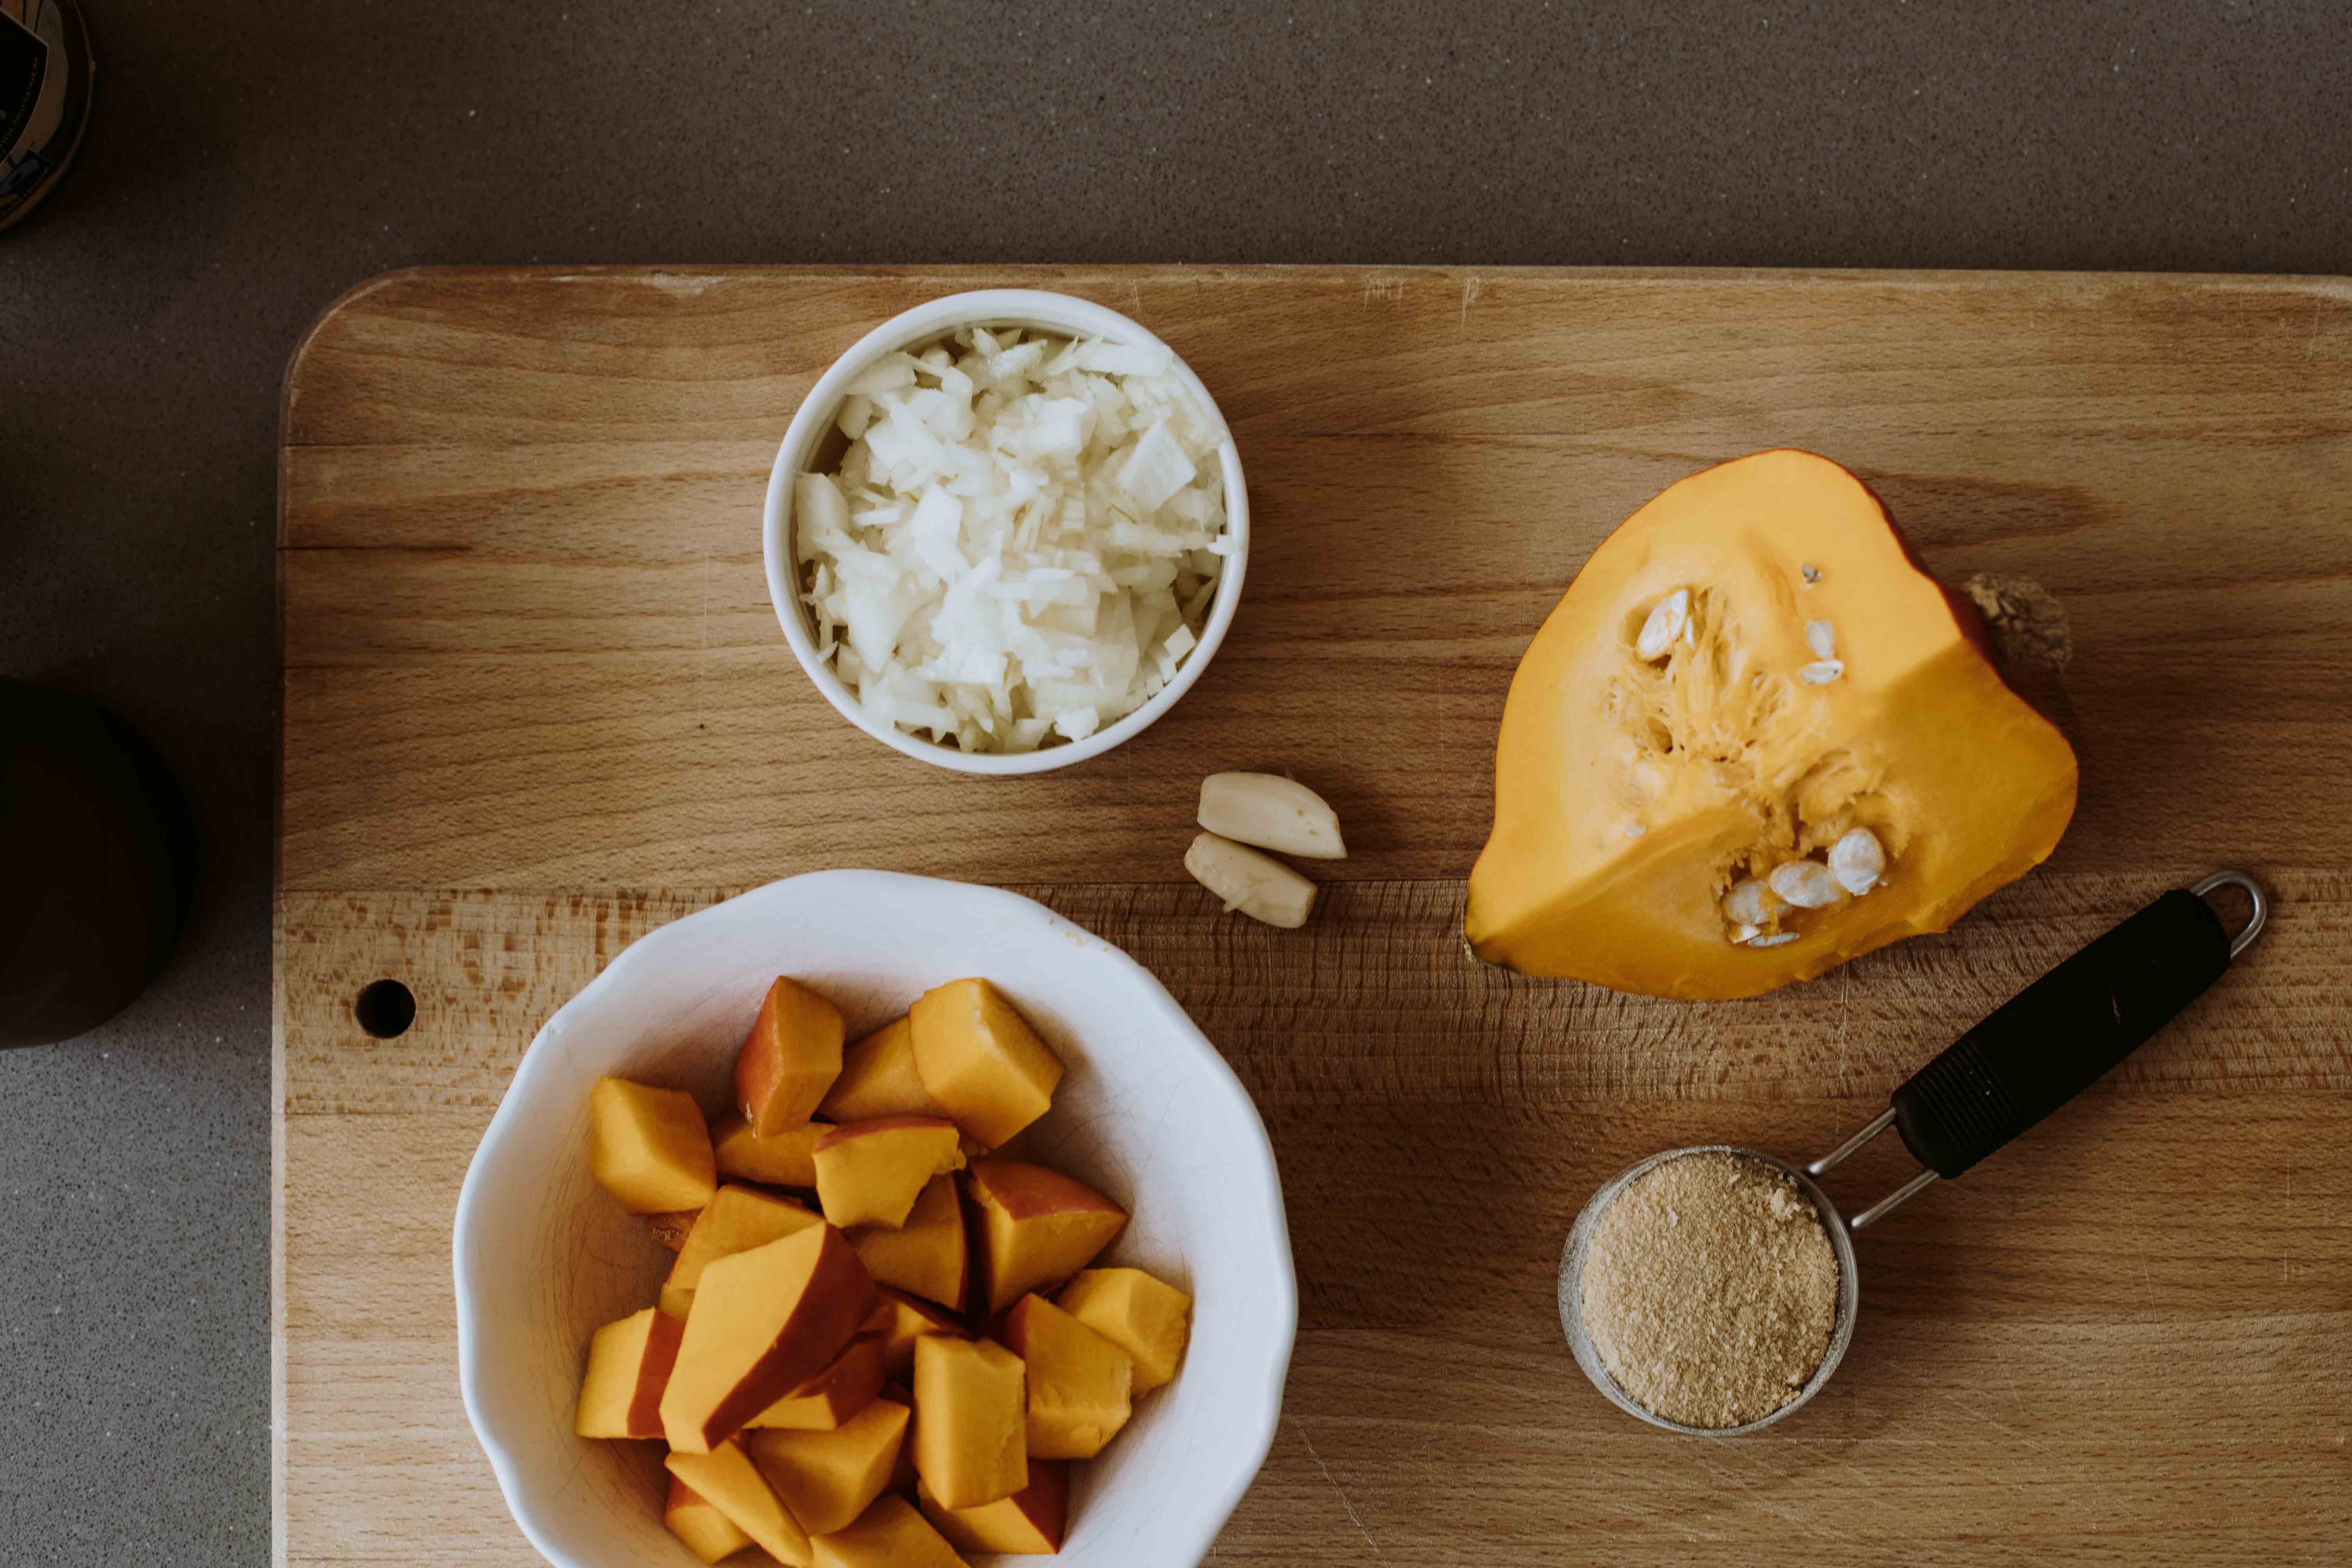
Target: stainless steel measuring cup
(2040,1048)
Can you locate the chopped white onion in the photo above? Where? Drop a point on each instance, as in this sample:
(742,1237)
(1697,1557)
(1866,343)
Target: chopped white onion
(1022,540)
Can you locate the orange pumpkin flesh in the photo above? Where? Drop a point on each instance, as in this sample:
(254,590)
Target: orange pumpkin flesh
(1633,793)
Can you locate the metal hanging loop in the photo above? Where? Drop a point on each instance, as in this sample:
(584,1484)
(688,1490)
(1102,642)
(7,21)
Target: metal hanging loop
(2253,891)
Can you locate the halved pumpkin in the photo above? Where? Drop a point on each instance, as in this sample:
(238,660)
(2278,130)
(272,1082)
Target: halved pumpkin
(1755,740)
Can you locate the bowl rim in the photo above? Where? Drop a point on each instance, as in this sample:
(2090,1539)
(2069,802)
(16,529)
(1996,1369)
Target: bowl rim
(989,307)
(538,1061)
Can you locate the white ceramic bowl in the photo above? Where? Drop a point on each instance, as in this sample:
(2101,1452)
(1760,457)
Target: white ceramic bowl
(814,424)
(1148,1111)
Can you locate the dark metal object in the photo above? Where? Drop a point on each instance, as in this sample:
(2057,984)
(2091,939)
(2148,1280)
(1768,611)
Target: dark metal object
(45,76)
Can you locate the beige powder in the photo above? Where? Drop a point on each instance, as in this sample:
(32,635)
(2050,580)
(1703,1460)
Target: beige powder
(1710,1290)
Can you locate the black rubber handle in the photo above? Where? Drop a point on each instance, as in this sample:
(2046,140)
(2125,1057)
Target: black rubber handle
(2052,1040)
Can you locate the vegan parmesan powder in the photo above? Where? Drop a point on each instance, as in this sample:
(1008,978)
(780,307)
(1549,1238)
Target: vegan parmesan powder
(1710,1290)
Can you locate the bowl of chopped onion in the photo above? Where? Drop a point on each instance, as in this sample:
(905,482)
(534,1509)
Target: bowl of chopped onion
(1006,530)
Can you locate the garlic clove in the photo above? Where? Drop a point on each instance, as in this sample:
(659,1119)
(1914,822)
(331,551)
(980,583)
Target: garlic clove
(1257,885)
(1272,813)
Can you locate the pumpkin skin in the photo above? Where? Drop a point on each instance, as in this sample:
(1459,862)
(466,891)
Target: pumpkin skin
(1631,793)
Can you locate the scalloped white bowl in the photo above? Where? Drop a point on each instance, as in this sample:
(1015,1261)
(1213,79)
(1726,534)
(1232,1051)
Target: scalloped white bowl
(1148,1111)
(814,421)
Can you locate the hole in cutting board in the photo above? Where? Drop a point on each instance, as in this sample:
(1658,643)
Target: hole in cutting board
(385,1008)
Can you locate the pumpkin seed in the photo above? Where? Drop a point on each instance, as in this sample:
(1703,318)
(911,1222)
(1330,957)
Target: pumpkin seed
(1821,637)
(1751,902)
(1806,884)
(1666,624)
(1822,673)
(1857,861)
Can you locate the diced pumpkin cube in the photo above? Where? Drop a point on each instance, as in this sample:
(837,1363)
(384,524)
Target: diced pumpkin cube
(835,1394)
(878,1078)
(928,1256)
(1079,1383)
(629,1365)
(786,1159)
(1148,1318)
(828,1478)
(765,1322)
(736,1219)
(1029,1523)
(971,1443)
(871,1172)
(789,1059)
(901,1320)
(979,1059)
(648,1147)
(889,1534)
(726,1479)
(1037,1226)
(694,1520)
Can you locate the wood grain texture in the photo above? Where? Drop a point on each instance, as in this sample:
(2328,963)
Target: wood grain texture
(536,704)
(573,677)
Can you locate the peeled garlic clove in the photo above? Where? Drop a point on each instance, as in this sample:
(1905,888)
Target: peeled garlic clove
(1272,813)
(1806,884)
(1259,886)
(1666,624)
(1857,861)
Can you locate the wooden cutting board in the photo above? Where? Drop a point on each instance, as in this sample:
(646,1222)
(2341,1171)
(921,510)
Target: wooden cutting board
(536,703)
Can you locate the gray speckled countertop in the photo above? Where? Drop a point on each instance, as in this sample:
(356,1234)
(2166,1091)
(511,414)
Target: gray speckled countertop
(249,160)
